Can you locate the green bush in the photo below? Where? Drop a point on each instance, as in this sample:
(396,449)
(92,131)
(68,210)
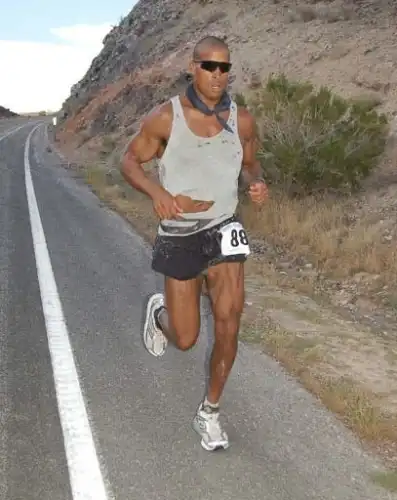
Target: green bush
(108,146)
(312,140)
(239,99)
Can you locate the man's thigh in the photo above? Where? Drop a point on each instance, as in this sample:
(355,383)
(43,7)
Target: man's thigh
(182,300)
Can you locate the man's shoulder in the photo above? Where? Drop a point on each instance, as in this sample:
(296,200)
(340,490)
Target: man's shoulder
(159,118)
(161,111)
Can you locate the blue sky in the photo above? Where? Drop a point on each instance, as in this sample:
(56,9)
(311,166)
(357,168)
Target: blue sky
(32,19)
(50,45)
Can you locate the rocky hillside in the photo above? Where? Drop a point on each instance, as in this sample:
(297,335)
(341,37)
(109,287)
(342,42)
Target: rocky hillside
(6,113)
(348,45)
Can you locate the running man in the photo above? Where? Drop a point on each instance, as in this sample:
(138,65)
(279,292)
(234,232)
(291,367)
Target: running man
(202,140)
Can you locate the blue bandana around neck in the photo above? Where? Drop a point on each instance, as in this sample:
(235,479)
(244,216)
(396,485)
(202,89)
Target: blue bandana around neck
(223,105)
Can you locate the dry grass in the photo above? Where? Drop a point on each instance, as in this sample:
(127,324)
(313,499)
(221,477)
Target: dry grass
(305,358)
(134,206)
(386,479)
(324,232)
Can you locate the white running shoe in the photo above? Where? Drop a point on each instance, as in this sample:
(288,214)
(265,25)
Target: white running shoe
(153,338)
(206,424)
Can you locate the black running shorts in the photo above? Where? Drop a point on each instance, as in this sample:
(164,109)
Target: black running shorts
(186,257)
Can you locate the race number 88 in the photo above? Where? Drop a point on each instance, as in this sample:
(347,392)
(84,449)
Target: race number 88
(238,238)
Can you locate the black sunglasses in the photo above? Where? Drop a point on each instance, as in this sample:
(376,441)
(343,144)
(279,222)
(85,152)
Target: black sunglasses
(211,66)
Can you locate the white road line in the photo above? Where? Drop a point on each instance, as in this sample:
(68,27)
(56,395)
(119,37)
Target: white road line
(15,129)
(84,470)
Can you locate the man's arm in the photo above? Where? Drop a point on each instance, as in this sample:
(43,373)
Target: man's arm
(143,148)
(251,167)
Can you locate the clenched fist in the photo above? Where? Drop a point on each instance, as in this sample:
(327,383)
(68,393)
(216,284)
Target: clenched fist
(258,192)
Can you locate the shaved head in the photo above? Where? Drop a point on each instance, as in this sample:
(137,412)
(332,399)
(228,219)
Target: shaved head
(210,67)
(209,44)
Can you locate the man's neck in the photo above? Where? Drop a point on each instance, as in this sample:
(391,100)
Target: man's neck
(210,103)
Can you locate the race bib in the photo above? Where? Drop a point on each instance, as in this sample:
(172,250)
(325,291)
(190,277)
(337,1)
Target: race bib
(234,240)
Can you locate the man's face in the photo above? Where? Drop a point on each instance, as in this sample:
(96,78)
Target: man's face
(211,72)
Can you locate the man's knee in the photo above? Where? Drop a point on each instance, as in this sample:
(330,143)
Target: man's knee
(227,313)
(227,328)
(229,306)
(185,332)
(186,339)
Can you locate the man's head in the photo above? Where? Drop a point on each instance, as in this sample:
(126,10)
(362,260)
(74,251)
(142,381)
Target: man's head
(210,67)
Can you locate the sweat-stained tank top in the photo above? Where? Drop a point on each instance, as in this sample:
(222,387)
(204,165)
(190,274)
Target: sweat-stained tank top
(204,168)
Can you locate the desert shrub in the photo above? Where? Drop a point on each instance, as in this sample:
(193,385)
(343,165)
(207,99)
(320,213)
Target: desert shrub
(107,147)
(239,99)
(313,140)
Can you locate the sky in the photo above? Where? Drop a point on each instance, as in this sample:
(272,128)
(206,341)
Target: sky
(47,46)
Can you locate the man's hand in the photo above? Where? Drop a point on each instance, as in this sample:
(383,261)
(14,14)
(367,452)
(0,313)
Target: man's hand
(165,205)
(258,192)
(189,205)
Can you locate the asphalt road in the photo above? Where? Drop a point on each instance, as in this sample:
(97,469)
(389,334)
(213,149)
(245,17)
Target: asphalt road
(86,413)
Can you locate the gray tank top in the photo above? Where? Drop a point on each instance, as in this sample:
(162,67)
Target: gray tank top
(204,168)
